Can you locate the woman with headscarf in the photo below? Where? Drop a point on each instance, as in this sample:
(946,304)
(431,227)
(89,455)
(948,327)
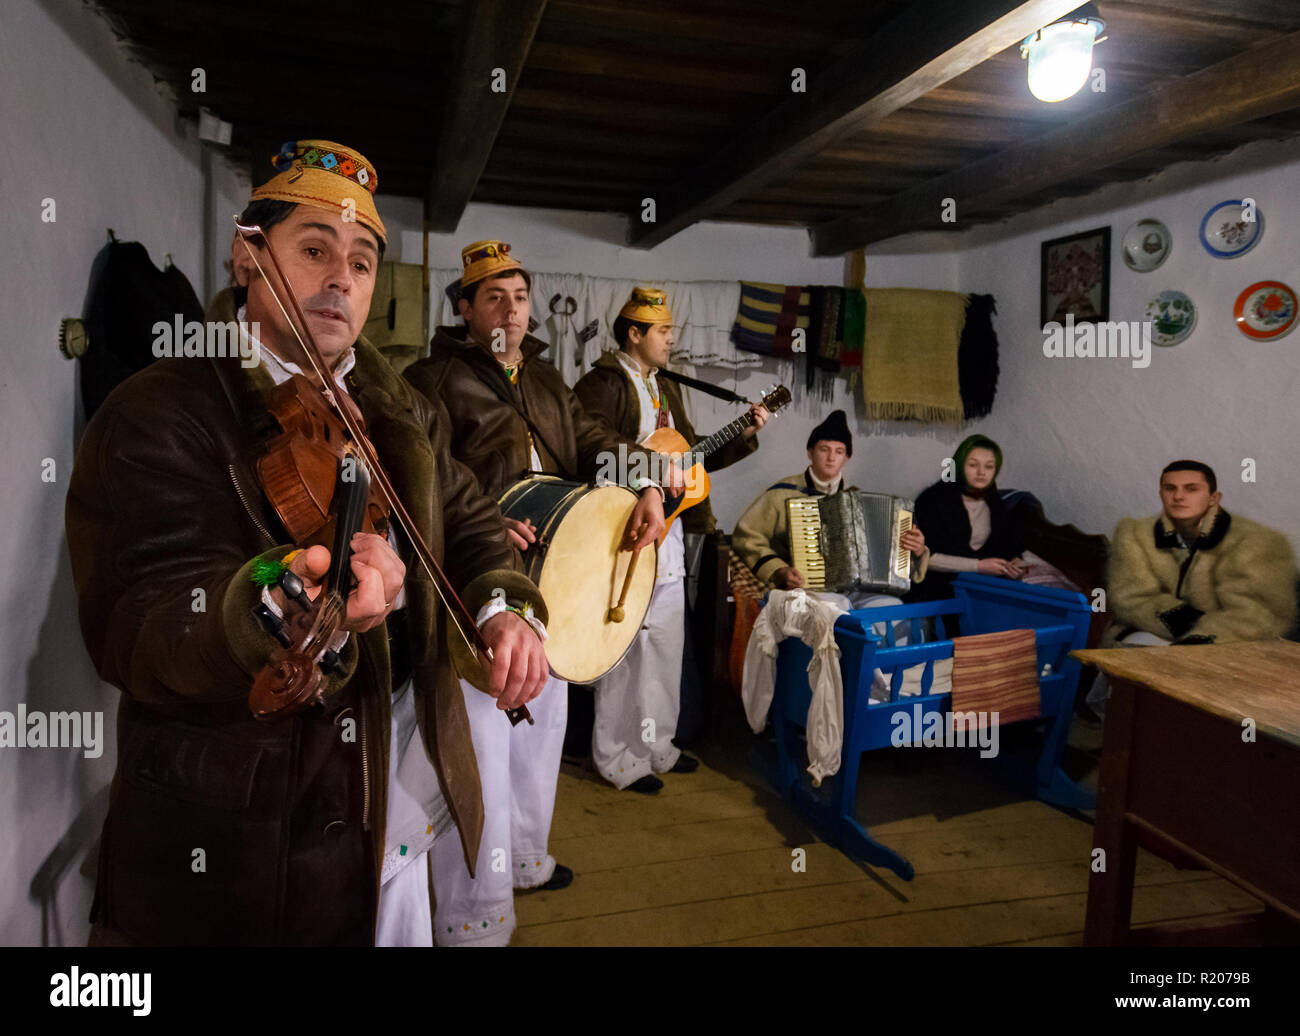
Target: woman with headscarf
(967,526)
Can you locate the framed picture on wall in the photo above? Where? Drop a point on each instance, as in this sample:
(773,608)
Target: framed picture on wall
(1076,277)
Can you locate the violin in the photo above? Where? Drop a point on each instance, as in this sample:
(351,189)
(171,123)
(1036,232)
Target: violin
(324,479)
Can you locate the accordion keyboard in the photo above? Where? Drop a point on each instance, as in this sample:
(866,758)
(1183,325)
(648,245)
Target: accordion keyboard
(851,541)
(805,541)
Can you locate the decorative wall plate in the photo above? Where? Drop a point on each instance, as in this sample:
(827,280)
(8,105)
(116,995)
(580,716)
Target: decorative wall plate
(1146,245)
(1172,315)
(1226,234)
(1265,310)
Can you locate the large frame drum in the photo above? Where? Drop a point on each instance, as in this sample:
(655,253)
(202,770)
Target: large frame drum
(578,567)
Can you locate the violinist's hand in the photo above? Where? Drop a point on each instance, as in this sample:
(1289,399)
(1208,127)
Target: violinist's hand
(646,522)
(378,571)
(520,534)
(519,666)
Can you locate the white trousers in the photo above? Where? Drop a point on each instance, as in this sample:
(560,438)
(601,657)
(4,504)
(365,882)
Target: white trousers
(405,918)
(1099,693)
(518,769)
(417,818)
(534,770)
(637,704)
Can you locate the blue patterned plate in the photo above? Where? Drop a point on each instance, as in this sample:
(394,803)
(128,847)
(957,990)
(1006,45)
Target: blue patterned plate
(1226,234)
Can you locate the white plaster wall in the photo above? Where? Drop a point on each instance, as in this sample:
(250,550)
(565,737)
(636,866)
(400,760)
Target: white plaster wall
(88,129)
(229,195)
(1090,436)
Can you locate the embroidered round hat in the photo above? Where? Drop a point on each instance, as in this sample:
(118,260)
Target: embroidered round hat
(486,258)
(647,306)
(328,176)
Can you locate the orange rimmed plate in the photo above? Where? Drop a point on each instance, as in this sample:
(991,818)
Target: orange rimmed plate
(1266,310)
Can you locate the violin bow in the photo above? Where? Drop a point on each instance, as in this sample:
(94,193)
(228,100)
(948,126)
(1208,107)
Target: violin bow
(460,615)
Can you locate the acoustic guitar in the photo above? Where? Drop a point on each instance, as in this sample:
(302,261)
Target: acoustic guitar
(672,444)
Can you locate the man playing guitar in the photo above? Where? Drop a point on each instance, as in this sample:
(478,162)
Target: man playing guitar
(623,388)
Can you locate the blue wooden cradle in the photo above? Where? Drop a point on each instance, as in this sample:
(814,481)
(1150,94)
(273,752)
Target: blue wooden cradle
(985,604)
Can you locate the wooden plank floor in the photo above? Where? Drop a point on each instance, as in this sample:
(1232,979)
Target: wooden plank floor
(708,861)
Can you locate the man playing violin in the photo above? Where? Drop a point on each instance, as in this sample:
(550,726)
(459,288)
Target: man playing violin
(511,414)
(231,830)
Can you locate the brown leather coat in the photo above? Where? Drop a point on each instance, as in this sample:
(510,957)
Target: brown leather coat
(288,815)
(606,390)
(488,433)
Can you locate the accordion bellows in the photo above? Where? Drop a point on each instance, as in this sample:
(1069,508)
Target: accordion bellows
(850,541)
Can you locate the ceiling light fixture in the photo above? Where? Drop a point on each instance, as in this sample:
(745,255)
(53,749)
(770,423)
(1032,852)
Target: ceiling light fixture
(1060,54)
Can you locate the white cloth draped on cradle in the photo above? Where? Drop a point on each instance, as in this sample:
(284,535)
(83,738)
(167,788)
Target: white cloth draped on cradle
(811,617)
(793,613)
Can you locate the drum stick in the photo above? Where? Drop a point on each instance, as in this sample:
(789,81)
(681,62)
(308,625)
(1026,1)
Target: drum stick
(616,613)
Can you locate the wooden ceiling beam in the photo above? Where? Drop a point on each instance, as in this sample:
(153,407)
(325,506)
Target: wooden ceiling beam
(1268,12)
(208,28)
(1252,85)
(696,22)
(586,138)
(613,63)
(925,46)
(520,161)
(498,36)
(568,104)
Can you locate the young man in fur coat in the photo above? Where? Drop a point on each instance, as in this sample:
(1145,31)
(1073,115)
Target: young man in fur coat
(1195,574)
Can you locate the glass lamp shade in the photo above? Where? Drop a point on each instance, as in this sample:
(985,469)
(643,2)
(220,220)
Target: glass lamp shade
(1060,59)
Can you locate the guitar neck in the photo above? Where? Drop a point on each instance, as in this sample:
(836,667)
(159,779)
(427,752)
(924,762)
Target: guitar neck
(707,447)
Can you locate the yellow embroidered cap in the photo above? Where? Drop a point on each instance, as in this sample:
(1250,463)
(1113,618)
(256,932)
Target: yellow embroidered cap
(647,306)
(485,258)
(328,176)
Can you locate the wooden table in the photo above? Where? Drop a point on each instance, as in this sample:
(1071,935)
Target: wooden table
(1175,761)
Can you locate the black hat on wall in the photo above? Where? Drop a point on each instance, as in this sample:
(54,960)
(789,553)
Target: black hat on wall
(836,429)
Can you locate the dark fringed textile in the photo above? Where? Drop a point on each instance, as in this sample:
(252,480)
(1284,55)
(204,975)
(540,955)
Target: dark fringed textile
(825,339)
(977,358)
(816,307)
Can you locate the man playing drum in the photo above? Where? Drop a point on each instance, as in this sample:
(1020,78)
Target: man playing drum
(512,414)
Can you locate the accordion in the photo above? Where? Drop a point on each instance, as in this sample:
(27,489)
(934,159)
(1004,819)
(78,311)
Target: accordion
(850,541)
